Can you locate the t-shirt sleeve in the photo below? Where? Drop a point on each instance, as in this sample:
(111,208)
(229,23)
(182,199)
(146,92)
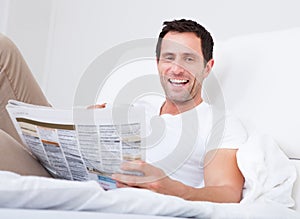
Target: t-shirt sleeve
(228,132)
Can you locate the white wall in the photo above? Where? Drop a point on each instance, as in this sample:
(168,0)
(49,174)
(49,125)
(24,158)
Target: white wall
(27,24)
(4,8)
(60,38)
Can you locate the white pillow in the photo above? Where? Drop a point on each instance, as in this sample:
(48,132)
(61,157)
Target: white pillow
(259,77)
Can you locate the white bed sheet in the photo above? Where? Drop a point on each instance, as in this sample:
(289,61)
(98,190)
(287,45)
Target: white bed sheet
(269,178)
(259,211)
(54,214)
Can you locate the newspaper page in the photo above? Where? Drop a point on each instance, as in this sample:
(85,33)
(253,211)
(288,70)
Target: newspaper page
(81,144)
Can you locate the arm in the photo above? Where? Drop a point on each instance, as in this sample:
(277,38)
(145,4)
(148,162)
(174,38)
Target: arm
(223,180)
(222,177)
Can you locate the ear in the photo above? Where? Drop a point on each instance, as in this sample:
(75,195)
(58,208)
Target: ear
(208,67)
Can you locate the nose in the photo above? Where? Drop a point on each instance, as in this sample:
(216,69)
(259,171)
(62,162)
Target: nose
(176,68)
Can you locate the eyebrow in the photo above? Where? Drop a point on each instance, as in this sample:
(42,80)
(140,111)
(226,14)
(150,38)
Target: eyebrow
(184,53)
(190,54)
(167,53)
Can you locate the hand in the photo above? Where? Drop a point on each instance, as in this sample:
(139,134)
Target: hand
(97,106)
(153,178)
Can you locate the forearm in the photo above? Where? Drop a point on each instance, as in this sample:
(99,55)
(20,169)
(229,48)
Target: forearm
(222,194)
(223,188)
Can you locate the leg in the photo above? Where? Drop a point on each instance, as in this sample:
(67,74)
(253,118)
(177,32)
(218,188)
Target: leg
(16,82)
(14,158)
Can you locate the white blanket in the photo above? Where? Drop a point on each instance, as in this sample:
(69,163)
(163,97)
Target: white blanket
(268,173)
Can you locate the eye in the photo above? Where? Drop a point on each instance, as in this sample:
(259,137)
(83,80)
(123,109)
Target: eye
(189,59)
(169,58)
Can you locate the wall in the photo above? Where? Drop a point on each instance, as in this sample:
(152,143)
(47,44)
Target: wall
(60,38)
(27,24)
(4,7)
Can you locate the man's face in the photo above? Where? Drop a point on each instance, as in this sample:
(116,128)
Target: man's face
(181,67)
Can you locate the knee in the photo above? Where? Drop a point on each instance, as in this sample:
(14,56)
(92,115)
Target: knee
(4,40)
(6,45)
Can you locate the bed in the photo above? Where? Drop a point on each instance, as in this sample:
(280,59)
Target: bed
(256,77)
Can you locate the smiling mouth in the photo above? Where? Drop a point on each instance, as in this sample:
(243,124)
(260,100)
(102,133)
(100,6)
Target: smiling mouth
(178,82)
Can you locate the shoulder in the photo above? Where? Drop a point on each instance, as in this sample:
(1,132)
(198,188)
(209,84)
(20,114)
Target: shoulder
(227,130)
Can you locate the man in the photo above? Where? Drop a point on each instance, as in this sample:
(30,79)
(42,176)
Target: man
(184,60)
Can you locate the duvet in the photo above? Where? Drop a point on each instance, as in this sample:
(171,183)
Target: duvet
(269,179)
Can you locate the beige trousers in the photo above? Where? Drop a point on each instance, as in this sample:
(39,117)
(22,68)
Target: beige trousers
(16,82)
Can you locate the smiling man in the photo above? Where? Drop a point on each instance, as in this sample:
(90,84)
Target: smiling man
(182,69)
(205,161)
(195,156)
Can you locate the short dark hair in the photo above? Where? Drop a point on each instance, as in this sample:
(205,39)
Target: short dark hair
(182,26)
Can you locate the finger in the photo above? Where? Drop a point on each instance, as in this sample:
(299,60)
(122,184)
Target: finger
(150,173)
(136,165)
(121,185)
(121,178)
(129,180)
(97,106)
(133,180)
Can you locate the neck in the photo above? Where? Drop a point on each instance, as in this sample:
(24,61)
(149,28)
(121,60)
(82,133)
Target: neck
(174,108)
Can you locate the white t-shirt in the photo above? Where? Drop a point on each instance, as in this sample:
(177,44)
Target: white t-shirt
(178,144)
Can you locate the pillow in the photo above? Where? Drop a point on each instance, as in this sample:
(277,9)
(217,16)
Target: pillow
(258,78)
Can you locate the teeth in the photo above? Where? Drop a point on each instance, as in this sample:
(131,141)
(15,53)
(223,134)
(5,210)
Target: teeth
(178,81)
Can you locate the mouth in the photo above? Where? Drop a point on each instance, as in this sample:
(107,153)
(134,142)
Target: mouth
(178,82)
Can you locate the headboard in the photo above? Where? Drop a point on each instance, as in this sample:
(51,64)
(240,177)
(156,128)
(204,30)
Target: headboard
(258,77)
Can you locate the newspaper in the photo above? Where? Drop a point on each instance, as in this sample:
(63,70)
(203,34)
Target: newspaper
(81,144)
